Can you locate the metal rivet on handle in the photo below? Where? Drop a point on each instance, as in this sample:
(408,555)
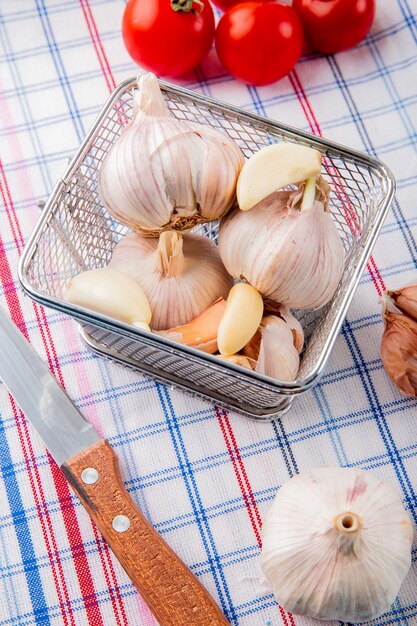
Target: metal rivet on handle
(120,523)
(89,475)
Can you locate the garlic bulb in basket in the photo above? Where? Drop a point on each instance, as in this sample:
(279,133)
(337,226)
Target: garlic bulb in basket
(164,173)
(336,544)
(181,274)
(287,246)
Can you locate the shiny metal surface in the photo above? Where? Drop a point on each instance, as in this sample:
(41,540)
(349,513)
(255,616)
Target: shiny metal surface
(58,422)
(76,233)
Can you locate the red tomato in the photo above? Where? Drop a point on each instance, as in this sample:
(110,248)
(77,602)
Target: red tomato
(168,37)
(226,4)
(259,43)
(334,25)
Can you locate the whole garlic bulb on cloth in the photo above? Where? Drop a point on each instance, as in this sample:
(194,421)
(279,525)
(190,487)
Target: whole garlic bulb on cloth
(181,274)
(336,545)
(164,173)
(287,246)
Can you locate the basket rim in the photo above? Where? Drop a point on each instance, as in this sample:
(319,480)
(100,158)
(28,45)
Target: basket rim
(300,385)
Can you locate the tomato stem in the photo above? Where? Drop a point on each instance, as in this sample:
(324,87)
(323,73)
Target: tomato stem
(186,6)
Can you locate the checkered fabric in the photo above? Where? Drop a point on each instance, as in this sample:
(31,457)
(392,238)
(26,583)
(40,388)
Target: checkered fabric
(202,476)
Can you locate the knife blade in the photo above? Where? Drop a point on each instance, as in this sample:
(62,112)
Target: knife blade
(172,592)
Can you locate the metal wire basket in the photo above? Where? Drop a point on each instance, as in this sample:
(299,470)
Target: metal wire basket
(75,233)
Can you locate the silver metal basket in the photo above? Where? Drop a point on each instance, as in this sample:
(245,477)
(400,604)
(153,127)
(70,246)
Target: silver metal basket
(75,233)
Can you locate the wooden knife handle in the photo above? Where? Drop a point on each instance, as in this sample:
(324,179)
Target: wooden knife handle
(172,592)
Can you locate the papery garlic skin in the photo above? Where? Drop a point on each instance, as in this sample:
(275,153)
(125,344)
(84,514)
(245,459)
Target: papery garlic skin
(164,173)
(290,256)
(278,357)
(399,351)
(112,293)
(273,349)
(285,313)
(201,332)
(181,274)
(336,545)
(238,359)
(405,299)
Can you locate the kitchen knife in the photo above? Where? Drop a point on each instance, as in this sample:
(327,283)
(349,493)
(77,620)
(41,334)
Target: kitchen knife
(172,592)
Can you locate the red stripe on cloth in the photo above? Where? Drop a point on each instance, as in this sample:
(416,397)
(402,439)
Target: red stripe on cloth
(315,128)
(98,46)
(29,456)
(245,488)
(105,556)
(61,485)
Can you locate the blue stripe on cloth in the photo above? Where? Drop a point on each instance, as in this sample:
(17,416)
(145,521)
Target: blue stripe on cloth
(197,505)
(60,69)
(356,116)
(27,114)
(409,18)
(381,422)
(23,534)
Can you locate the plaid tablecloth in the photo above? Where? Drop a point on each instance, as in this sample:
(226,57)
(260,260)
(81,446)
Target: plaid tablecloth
(204,477)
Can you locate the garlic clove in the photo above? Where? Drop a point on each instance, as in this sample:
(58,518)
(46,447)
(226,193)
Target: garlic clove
(274,167)
(399,351)
(243,314)
(112,293)
(277,356)
(239,359)
(405,299)
(201,332)
(181,273)
(336,544)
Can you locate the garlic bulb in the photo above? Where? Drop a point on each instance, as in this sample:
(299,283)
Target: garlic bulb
(336,545)
(201,332)
(181,275)
(110,292)
(273,349)
(164,173)
(287,247)
(399,347)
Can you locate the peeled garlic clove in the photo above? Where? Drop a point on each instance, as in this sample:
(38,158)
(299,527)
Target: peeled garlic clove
(112,293)
(239,359)
(277,356)
(243,314)
(291,256)
(181,274)
(201,332)
(336,545)
(274,167)
(159,174)
(406,300)
(399,351)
